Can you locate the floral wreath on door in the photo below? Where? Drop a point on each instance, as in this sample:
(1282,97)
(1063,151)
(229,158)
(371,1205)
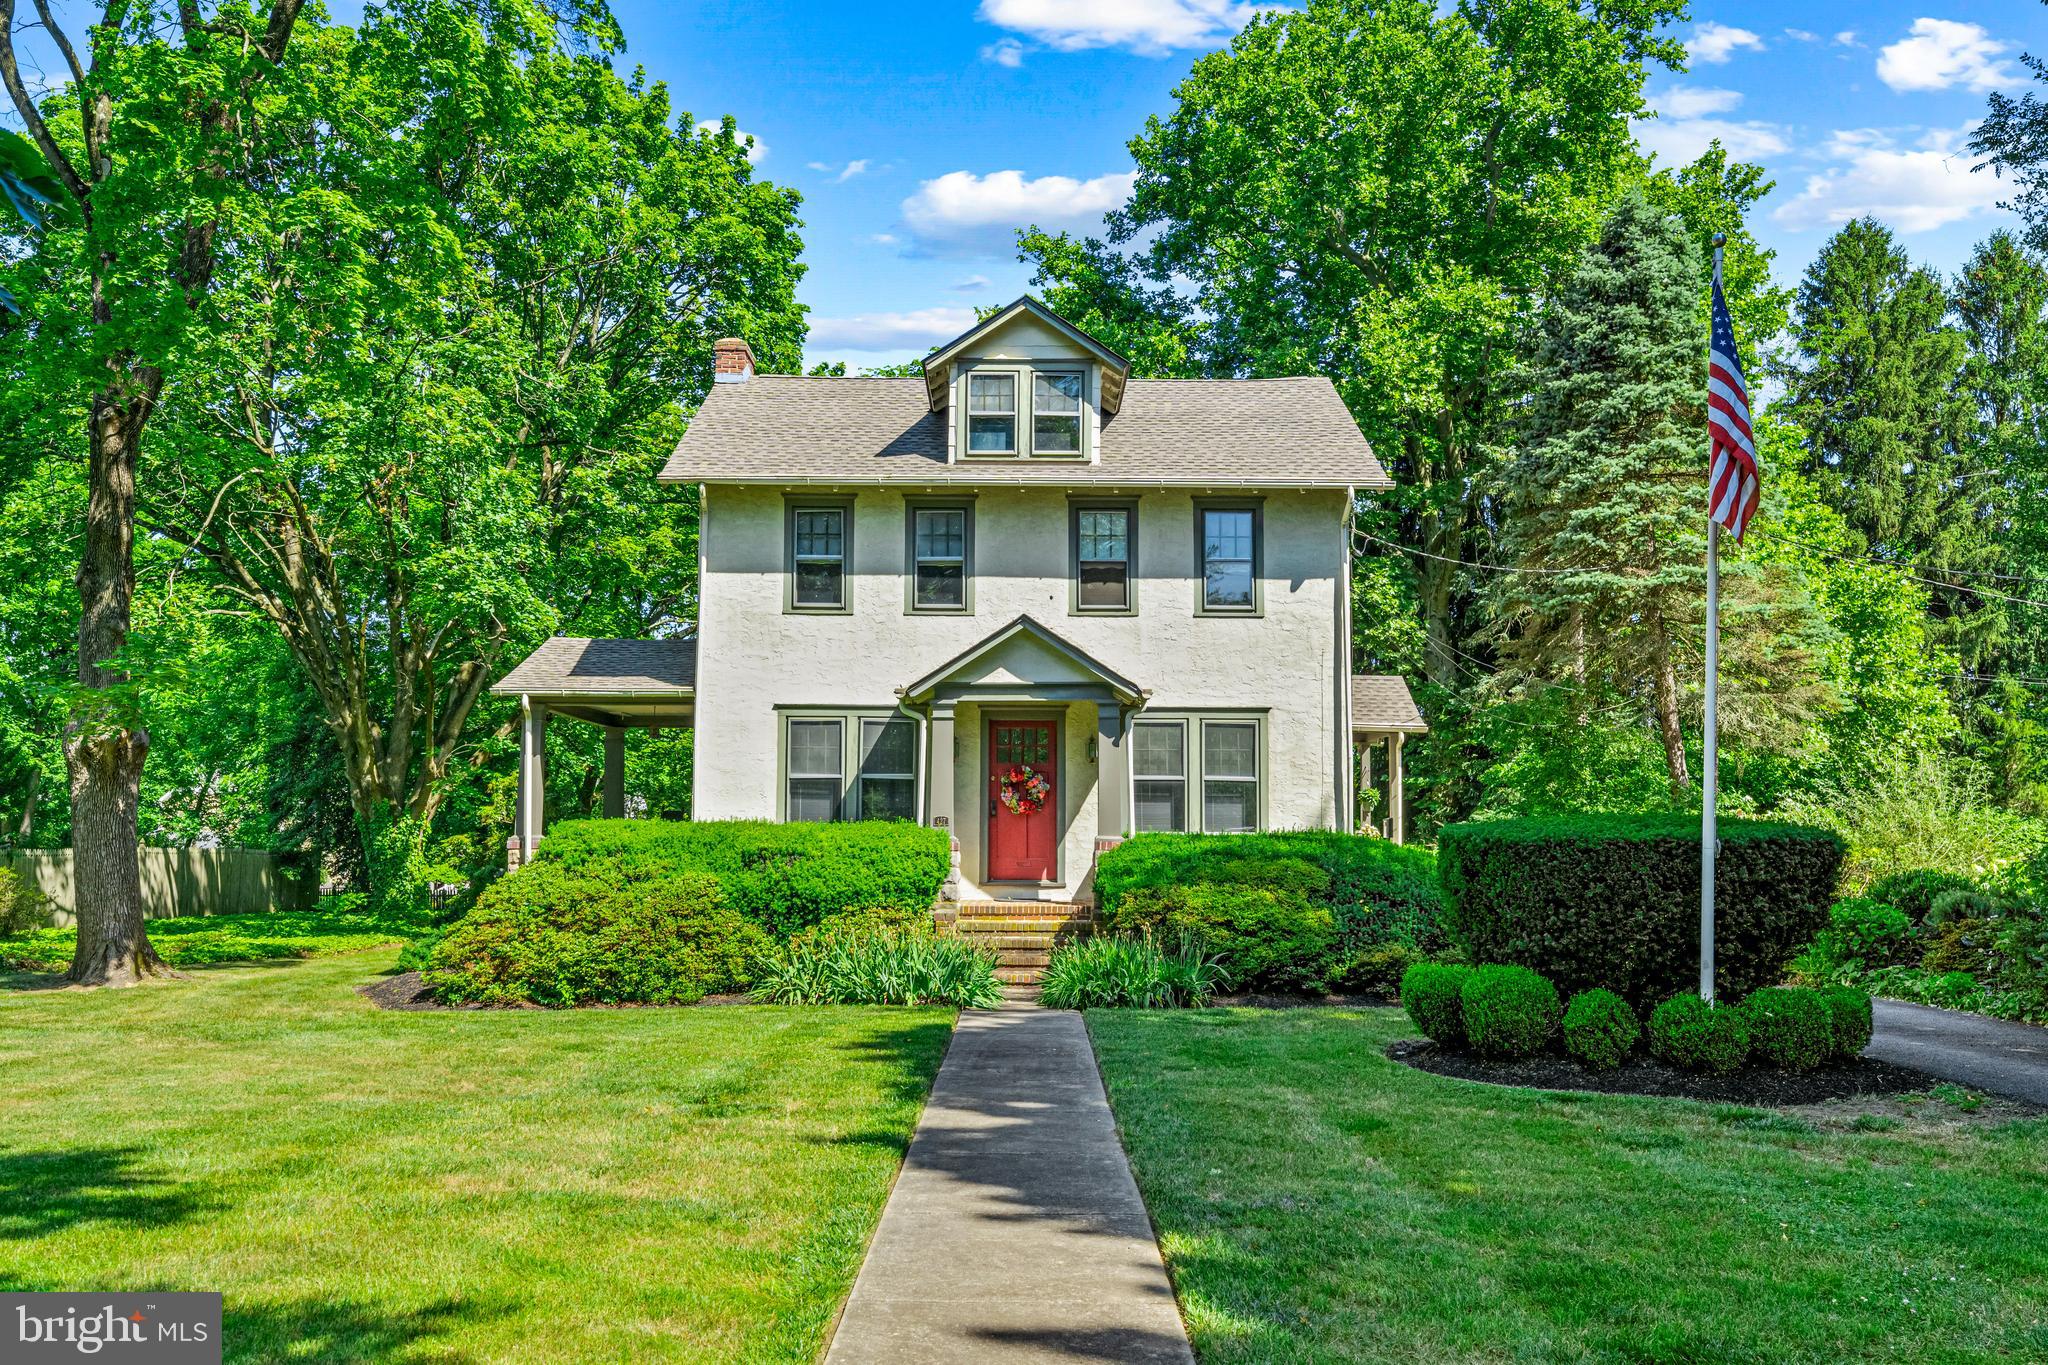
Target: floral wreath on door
(1023,790)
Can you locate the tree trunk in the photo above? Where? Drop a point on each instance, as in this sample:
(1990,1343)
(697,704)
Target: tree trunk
(1667,712)
(26,830)
(104,755)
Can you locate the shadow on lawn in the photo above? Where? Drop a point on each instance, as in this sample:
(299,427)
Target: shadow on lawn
(347,1330)
(45,1192)
(911,1052)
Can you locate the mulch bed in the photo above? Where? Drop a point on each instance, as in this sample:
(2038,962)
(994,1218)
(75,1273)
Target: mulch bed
(1643,1076)
(1298,1002)
(408,991)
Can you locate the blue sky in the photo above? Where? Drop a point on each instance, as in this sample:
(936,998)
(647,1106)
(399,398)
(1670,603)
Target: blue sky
(923,135)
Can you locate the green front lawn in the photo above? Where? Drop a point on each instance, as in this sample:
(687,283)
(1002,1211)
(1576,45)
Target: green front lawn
(1316,1201)
(600,1185)
(197,940)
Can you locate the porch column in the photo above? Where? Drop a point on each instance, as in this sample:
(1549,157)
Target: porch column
(532,777)
(1361,812)
(1397,797)
(938,792)
(1112,773)
(614,773)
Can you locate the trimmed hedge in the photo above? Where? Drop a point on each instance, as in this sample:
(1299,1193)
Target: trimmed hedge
(1790,1027)
(784,877)
(1850,1014)
(1688,1032)
(1382,898)
(1600,1029)
(599,932)
(1262,938)
(1433,995)
(1509,1011)
(1613,900)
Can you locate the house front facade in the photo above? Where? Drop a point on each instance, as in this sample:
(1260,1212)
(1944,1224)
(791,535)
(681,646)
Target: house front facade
(1024,598)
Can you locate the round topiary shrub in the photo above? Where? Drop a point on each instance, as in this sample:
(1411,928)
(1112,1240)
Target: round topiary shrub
(1431,993)
(1849,1011)
(1600,1029)
(1790,1027)
(1509,1011)
(1687,1032)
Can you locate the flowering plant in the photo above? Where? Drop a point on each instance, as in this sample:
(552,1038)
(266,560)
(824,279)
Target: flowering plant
(1023,790)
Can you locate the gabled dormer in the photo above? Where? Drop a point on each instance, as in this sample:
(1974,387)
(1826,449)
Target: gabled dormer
(1025,384)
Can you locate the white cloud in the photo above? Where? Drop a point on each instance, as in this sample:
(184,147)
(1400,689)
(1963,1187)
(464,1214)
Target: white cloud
(1913,189)
(1715,43)
(1151,27)
(1800,35)
(884,239)
(1004,52)
(964,214)
(1847,38)
(756,152)
(917,330)
(971,284)
(1942,53)
(1681,132)
(1691,101)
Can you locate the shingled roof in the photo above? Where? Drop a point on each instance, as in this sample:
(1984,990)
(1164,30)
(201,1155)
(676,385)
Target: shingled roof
(1382,703)
(569,666)
(775,429)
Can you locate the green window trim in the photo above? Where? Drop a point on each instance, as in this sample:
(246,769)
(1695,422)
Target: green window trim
(847,763)
(1216,761)
(1077,510)
(795,508)
(1247,522)
(915,556)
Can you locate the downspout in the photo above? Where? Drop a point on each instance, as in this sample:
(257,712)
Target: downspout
(922,719)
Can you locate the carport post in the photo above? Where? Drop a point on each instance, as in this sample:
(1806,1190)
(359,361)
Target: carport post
(614,773)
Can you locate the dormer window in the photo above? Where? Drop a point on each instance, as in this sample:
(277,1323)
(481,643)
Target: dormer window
(1055,413)
(992,414)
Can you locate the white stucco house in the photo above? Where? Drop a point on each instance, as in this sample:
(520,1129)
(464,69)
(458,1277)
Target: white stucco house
(1024,598)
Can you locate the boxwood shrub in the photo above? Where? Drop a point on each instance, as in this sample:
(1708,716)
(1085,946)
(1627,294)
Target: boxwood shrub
(784,877)
(600,932)
(1613,900)
(1790,1027)
(1432,993)
(1509,1011)
(1263,938)
(1688,1032)
(1850,1015)
(1600,1029)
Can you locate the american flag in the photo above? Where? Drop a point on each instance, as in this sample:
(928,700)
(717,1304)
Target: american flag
(1732,475)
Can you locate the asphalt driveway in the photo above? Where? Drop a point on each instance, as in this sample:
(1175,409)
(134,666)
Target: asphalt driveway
(1986,1054)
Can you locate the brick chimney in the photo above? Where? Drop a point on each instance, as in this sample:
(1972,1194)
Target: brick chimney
(732,361)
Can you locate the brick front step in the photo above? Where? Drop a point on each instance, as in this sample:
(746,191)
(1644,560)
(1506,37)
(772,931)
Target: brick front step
(1020,976)
(1019,909)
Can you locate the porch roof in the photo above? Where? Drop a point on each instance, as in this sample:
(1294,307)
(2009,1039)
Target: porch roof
(1382,704)
(1023,628)
(610,682)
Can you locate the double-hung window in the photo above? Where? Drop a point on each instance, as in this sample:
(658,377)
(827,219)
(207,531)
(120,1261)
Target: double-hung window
(1055,413)
(1159,773)
(820,546)
(1104,540)
(1228,540)
(1196,773)
(1230,776)
(816,767)
(992,414)
(888,770)
(941,542)
(821,751)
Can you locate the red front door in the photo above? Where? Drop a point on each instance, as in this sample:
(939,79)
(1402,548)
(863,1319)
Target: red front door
(1023,802)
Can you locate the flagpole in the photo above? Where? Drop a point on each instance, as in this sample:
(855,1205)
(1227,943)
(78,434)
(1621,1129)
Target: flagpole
(1710,769)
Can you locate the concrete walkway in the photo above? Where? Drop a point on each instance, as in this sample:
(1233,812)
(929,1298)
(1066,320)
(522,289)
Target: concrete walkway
(1987,1054)
(1015,1232)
